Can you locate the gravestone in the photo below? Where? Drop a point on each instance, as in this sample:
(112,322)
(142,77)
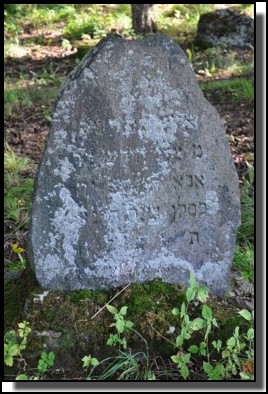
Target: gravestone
(137,180)
(227,28)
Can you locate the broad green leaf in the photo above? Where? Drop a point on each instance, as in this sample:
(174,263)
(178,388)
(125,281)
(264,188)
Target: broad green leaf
(234,370)
(202,348)
(207,312)
(225,353)
(110,342)
(217,344)
(22,376)
(51,358)
(94,362)
(123,310)
(218,372)
(245,314)
(207,367)
(187,335)
(175,312)
(235,358)
(193,349)
(231,342)
(214,322)
(192,281)
(112,309)
(202,295)
(13,350)
(236,332)
(44,356)
(184,372)
(186,319)
(179,340)
(197,324)
(250,333)
(21,325)
(8,360)
(190,294)
(186,358)
(87,361)
(245,376)
(42,366)
(120,326)
(129,324)
(183,308)
(175,359)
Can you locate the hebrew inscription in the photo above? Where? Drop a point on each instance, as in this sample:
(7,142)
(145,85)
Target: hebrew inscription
(189,180)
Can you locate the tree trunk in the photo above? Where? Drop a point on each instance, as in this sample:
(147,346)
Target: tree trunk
(142,19)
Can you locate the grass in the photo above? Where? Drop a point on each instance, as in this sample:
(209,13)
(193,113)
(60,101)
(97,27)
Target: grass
(244,261)
(244,252)
(126,366)
(225,60)
(180,19)
(239,88)
(246,229)
(18,190)
(91,24)
(17,97)
(94,24)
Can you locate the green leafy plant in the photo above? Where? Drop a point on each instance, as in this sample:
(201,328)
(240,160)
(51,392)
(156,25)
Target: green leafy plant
(122,326)
(230,356)
(46,361)
(125,365)
(88,360)
(187,328)
(15,342)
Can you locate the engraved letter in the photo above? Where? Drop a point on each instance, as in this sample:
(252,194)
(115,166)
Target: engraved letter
(203,210)
(197,152)
(178,180)
(189,180)
(199,180)
(173,217)
(181,206)
(192,209)
(194,238)
(178,153)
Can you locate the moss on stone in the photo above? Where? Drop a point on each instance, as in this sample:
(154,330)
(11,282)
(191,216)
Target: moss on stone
(62,321)
(98,297)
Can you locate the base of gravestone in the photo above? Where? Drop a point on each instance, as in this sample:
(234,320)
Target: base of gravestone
(62,322)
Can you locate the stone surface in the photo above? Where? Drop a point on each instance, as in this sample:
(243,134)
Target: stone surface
(225,27)
(137,180)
